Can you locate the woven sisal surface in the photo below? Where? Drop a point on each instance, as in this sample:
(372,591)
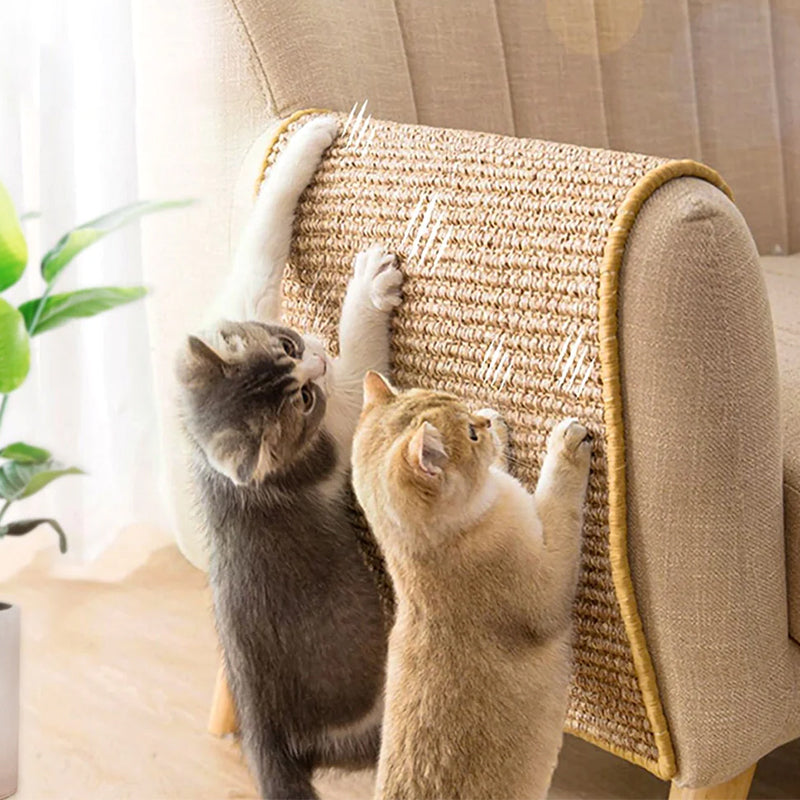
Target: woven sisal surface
(502,242)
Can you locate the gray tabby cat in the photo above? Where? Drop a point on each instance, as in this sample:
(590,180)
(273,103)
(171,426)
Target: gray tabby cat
(270,418)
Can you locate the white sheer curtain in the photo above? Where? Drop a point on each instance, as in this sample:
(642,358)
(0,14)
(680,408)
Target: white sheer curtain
(68,150)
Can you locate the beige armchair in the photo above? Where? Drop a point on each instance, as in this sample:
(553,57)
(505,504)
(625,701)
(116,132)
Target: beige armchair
(712,417)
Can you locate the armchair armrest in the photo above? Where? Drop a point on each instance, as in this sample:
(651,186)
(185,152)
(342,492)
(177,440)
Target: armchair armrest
(704,472)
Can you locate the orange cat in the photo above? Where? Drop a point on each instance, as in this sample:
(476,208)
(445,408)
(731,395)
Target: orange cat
(485,576)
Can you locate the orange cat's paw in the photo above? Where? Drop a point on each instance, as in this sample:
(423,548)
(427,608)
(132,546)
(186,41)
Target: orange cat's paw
(571,439)
(498,426)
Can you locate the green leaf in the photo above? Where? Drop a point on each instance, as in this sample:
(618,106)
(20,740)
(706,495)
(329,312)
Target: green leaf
(23,526)
(18,481)
(24,453)
(15,355)
(84,235)
(13,248)
(61,308)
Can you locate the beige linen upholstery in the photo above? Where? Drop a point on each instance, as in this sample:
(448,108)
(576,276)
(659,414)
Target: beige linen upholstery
(624,74)
(653,77)
(783,285)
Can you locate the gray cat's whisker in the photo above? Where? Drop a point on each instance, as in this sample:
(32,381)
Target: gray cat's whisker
(322,310)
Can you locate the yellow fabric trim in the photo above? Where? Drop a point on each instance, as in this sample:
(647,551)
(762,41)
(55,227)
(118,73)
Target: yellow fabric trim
(613,256)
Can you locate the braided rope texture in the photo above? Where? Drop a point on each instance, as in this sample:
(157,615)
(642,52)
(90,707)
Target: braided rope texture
(504,244)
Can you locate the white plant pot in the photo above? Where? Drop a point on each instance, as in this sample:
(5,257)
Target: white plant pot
(9,699)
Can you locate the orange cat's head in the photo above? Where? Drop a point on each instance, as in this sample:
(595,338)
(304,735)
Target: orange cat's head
(420,456)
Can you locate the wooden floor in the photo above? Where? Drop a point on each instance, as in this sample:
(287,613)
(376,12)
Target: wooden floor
(118,665)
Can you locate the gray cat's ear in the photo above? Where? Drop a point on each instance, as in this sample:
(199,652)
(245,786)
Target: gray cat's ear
(426,450)
(235,455)
(203,352)
(199,362)
(377,389)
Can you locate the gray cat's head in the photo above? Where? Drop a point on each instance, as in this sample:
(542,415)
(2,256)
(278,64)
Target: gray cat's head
(253,397)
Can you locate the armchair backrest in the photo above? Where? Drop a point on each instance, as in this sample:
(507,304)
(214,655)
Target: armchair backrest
(714,81)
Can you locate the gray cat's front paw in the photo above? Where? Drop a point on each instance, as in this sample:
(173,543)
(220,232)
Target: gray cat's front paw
(571,440)
(377,273)
(320,133)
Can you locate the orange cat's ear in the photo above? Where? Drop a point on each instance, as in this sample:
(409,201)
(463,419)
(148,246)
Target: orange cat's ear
(426,450)
(377,389)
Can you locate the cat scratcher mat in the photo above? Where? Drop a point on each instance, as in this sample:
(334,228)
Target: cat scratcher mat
(511,250)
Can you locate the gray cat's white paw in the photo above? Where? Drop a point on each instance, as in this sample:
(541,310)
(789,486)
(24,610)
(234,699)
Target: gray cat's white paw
(377,271)
(572,440)
(320,132)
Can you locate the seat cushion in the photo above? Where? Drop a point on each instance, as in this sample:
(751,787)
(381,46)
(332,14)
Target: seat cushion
(782,274)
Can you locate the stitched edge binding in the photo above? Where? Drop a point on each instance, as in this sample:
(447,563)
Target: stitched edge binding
(613,256)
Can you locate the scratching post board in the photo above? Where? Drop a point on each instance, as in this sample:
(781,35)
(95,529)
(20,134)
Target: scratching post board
(511,251)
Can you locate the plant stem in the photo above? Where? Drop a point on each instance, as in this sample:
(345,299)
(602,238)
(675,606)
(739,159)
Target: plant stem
(3,407)
(39,309)
(4,509)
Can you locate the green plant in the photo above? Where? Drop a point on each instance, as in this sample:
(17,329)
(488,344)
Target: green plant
(25,469)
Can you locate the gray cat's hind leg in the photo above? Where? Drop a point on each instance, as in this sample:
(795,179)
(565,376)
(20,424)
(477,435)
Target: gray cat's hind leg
(282,777)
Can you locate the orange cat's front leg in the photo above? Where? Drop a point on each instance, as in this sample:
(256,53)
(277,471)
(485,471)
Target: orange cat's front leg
(560,494)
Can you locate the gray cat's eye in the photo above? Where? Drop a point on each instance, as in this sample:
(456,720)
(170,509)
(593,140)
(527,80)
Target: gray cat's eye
(289,347)
(308,398)
(473,434)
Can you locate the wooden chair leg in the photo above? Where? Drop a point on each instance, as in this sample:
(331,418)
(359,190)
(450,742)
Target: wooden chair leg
(222,719)
(735,789)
